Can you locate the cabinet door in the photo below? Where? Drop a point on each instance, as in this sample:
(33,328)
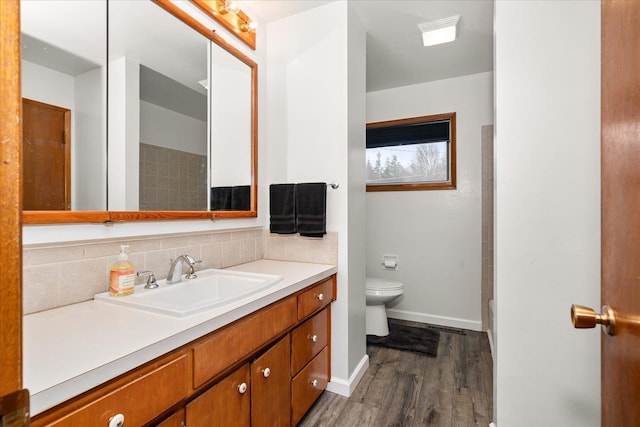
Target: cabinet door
(271,386)
(175,420)
(225,404)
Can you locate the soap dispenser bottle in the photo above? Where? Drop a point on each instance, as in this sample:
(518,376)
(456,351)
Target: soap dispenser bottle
(123,278)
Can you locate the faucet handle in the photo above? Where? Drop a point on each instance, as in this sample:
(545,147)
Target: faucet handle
(191,262)
(151,279)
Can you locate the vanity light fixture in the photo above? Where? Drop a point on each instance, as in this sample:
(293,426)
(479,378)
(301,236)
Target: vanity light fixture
(228,6)
(439,31)
(248,26)
(227,13)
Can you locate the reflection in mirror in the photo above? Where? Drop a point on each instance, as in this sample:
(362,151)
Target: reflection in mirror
(149,47)
(64,119)
(231,132)
(157,111)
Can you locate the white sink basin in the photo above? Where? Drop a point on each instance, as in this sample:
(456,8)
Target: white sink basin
(212,288)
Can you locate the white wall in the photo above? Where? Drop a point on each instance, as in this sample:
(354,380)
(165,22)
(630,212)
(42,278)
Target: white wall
(168,129)
(435,234)
(230,82)
(84,96)
(89,173)
(46,85)
(355,187)
(124,134)
(547,210)
(315,130)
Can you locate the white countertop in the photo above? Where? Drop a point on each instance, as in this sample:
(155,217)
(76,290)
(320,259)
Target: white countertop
(69,350)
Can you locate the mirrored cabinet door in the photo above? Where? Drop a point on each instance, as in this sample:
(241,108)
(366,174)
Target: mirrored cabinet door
(158,118)
(64,103)
(134,110)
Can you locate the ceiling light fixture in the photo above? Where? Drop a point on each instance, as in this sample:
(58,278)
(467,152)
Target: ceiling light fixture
(229,14)
(439,31)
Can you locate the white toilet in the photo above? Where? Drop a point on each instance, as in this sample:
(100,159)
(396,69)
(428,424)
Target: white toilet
(379,292)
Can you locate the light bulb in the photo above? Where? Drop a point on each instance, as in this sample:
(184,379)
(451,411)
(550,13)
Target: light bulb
(231,6)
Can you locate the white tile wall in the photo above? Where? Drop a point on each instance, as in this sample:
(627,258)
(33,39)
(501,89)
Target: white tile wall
(58,275)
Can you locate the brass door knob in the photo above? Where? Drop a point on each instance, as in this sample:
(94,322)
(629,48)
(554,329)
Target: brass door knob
(585,317)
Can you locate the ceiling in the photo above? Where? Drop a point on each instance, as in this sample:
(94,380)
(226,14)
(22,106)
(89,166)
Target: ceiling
(395,54)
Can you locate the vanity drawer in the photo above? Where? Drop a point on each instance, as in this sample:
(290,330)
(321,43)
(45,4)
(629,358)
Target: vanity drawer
(308,339)
(140,397)
(222,349)
(316,297)
(307,386)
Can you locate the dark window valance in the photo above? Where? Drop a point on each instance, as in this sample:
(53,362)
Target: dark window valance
(405,134)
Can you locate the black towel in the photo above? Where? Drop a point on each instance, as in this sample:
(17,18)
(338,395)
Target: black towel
(220,198)
(241,198)
(311,209)
(282,208)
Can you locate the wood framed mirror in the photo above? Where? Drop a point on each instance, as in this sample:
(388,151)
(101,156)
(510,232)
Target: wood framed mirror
(134,184)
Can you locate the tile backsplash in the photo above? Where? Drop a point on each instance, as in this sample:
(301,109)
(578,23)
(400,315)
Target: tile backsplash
(63,274)
(172,180)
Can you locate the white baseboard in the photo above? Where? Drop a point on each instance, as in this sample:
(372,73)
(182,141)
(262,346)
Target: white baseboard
(452,322)
(490,336)
(346,387)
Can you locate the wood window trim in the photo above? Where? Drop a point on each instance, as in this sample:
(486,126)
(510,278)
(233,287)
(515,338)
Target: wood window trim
(419,186)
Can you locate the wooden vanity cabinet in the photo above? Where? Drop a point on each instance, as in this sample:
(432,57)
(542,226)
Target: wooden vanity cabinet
(271,387)
(309,384)
(221,349)
(316,297)
(308,339)
(257,394)
(139,396)
(309,362)
(265,369)
(175,420)
(227,403)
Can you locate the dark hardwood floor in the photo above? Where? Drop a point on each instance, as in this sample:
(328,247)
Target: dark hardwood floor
(404,389)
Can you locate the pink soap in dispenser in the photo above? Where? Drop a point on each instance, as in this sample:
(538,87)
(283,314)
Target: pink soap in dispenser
(123,278)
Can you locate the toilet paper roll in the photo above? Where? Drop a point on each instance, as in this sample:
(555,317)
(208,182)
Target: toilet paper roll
(390,263)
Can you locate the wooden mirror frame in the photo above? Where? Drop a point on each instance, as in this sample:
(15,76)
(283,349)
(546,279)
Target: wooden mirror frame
(58,217)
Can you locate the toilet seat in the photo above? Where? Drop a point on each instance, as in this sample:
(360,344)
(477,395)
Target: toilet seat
(375,284)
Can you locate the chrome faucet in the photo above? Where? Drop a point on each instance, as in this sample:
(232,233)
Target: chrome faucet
(151,279)
(175,274)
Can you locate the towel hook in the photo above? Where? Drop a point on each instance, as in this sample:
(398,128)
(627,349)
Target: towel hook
(334,184)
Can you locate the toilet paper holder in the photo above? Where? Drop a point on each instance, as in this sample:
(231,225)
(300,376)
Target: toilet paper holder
(390,262)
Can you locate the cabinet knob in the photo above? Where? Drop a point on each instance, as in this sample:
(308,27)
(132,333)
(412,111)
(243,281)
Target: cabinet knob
(314,338)
(321,297)
(116,421)
(242,388)
(266,372)
(314,383)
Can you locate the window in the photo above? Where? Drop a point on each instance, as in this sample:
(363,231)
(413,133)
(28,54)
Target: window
(418,153)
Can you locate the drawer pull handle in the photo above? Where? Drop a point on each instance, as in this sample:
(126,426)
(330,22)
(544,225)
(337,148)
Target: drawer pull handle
(116,421)
(321,297)
(314,338)
(242,388)
(314,383)
(266,372)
